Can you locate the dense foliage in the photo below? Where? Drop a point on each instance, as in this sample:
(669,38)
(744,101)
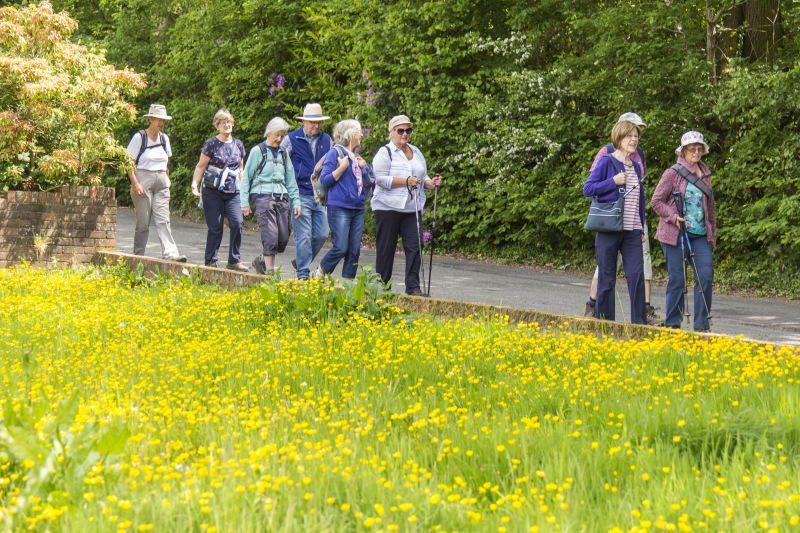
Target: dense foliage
(59,102)
(511,99)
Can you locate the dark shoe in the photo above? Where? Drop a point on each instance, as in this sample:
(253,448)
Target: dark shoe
(238,267)
(178,259)
(258,264)
(591,310)
(294,264)
(417,292)
(212,264)
(652,317)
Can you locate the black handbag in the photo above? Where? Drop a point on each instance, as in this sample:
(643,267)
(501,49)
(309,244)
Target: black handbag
(607,217)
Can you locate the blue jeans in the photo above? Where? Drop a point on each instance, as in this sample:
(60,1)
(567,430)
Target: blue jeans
(310,233)
(217,206)
(629,245)
(703,277)
(347,225)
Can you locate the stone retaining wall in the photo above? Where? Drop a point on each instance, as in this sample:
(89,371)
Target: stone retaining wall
(68,225)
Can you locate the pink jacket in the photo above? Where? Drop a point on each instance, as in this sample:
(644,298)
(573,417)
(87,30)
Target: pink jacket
(664,205)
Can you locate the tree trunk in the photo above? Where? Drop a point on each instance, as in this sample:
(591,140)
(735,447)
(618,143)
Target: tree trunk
(729,39)
(764,29)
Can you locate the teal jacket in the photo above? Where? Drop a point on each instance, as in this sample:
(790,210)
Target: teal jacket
(274,178)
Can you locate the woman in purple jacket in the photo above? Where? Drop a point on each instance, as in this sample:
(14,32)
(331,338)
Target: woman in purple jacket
(348,179)
(692,179)
(614,173)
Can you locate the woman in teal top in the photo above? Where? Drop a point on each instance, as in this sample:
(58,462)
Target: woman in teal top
(268,184)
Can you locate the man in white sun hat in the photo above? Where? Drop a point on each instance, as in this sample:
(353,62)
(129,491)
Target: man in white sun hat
(306,146)
(150,184)
(591,311)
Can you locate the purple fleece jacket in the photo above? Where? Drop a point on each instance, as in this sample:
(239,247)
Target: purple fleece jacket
(664,204)
(601,183)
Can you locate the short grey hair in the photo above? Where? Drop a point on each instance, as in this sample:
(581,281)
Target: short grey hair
(276,124)
(344,131)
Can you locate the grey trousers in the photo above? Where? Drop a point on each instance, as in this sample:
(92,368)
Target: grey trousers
(272,214)
(153,205)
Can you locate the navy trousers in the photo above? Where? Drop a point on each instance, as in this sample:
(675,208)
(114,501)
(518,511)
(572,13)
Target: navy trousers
(629,245)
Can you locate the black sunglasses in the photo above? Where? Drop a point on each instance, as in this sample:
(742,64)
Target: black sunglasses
(401,131)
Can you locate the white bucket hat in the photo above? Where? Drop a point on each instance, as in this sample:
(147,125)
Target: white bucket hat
(158,111)
(313,112)
(691,137)
(632,117)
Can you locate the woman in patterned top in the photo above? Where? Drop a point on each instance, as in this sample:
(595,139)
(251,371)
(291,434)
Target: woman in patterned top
(692,179)
(220,168)
(616,171)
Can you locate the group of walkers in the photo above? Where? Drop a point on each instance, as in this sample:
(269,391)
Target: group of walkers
(284,179)
(687,228)
(320,183)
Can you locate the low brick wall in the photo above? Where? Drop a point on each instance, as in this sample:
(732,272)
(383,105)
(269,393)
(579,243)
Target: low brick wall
(69,225)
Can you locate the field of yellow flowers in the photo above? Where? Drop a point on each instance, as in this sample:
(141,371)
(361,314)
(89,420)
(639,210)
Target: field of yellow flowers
(179,407)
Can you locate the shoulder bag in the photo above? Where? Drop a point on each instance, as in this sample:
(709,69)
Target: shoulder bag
(606,217)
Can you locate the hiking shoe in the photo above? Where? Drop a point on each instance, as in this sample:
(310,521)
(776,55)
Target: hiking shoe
(238,267)
(212,264)
(417,292)
(652,317)
(259,265)
(591,310)
(294,264)
(178,259)
(317,273)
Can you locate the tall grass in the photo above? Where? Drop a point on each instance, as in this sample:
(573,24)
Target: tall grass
(250,412)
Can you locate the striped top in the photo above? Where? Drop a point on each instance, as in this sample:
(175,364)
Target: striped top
(630,218)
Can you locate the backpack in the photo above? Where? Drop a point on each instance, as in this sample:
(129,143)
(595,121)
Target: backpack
(143,144)
(263,146)
(320,192)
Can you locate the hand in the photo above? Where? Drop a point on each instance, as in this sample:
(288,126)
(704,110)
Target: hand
(195,191)
(412,181)
(679,222)
(644,237)
(344,162)
(360,161)
(246,211)
(620,179)
(297,212)
(137,189)
(437,180)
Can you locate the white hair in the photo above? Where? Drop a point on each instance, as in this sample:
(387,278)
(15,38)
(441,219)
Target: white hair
(276,124)
(344,131)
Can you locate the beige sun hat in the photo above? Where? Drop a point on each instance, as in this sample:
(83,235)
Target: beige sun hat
(691,137)
(313,112)
(399,119)
(158,111)
(632,117)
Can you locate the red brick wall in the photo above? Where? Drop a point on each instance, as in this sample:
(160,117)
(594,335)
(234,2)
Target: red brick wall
(73,221)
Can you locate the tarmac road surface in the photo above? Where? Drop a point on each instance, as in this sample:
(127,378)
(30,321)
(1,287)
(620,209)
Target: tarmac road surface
(770,320)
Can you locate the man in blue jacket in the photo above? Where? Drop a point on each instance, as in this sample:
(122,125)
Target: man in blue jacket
(306,146)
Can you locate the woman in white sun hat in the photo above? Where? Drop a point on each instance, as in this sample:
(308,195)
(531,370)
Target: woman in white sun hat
(692,179)
(150,184)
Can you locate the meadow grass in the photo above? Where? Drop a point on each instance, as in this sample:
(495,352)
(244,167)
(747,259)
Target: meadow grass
(195,409)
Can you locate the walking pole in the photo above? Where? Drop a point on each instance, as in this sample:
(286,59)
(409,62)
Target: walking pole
(681,236)
(433,237)
(419,234)
(697,276)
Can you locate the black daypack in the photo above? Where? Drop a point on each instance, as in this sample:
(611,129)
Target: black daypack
(143,144)
(263,147)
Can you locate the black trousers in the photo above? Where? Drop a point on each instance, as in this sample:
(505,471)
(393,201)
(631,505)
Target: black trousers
(388,226)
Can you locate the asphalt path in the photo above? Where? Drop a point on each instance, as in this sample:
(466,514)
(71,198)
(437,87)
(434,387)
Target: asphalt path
(770,320)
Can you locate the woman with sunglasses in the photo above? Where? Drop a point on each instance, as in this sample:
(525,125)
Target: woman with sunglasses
(616,174)
(401,175)
(692,179)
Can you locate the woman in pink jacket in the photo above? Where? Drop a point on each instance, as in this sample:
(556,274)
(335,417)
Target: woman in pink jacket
(694,233)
